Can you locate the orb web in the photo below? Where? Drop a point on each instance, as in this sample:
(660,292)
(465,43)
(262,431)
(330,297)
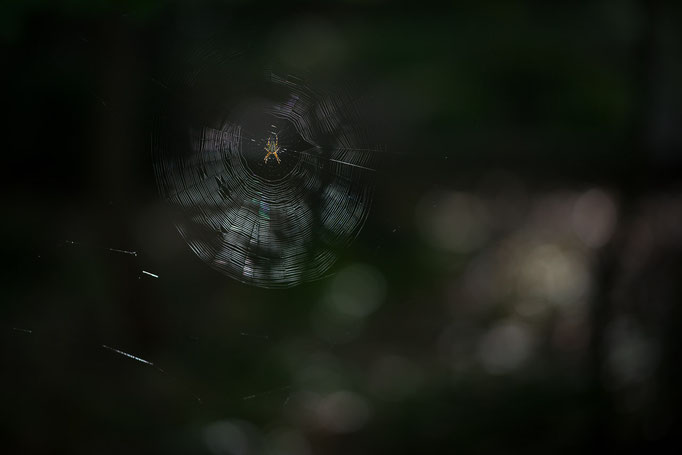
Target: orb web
(268,223)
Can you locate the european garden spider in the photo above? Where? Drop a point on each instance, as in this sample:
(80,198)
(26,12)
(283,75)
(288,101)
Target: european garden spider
(272,148)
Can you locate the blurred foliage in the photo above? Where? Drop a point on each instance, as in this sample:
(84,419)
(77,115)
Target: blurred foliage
(521,286)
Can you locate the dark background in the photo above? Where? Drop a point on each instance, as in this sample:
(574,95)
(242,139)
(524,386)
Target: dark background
(525,236)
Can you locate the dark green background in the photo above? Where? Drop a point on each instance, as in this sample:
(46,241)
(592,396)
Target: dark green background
(557,97)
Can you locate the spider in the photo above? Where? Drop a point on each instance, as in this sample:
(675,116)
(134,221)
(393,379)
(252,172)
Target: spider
(272,148)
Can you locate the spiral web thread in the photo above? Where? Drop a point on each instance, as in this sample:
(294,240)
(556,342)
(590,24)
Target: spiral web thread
(273,232)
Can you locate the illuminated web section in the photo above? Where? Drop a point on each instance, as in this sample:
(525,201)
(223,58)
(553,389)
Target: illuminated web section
(266,223)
